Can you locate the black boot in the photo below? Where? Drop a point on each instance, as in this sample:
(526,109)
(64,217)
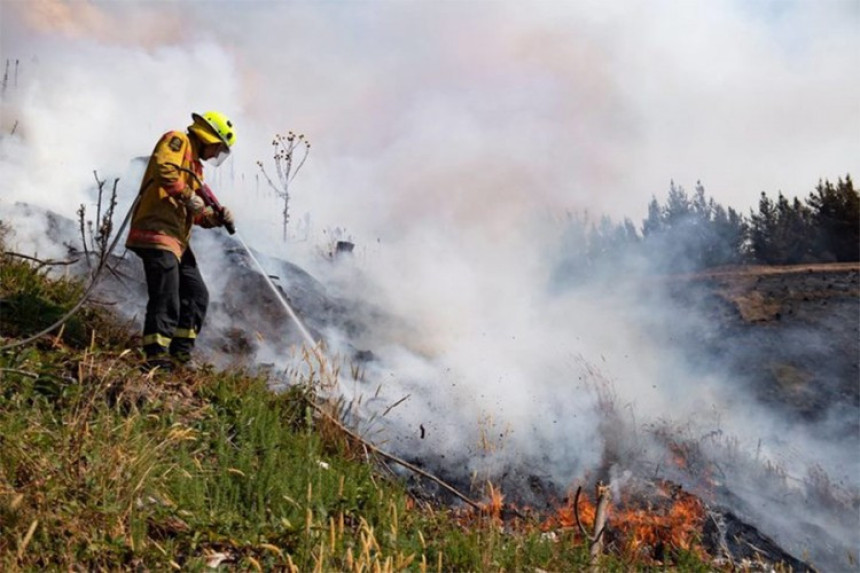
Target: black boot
(156,357)
(160,363)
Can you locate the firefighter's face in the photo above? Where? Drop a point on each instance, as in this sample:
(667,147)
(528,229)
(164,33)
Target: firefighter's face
(214,154)
(212,150)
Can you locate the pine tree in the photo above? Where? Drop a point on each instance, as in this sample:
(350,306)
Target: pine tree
(762,227)
(835,211)
(730,235)
(794,235)
(678,206)
(654,223)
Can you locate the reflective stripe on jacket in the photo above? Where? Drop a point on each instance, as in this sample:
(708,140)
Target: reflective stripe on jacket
(161,220)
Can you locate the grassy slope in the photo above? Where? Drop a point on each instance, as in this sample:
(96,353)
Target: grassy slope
(104,467)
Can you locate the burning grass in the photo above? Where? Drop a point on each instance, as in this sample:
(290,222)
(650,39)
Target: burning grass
(664,527)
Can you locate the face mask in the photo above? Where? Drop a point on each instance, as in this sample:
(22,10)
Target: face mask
(218,159)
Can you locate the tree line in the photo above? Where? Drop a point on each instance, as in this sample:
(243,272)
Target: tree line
(691,231)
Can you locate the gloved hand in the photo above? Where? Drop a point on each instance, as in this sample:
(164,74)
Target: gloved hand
(208,220)
(195,204)
(227,217)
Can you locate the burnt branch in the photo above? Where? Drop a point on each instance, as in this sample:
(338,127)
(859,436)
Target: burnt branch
(82,211)
(582,530)
(595,541)
(96,236)
(41,263)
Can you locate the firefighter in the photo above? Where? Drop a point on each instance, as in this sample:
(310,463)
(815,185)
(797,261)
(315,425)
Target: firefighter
(168,206)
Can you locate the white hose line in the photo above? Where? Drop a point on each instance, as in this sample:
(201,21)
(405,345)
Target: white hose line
(304,331)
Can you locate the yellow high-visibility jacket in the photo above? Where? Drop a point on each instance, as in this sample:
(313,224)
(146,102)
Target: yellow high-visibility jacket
(161,219)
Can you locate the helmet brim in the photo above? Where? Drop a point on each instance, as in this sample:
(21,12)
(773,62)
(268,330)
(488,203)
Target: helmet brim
(215,137)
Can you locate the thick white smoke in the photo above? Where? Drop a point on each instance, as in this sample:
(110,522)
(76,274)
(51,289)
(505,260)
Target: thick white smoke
(444,138)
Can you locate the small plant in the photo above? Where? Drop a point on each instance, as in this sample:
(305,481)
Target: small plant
(97,240)
(291,151)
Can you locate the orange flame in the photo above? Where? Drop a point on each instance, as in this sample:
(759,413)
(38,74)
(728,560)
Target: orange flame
(672,522)
(646,532)
(494,507)
(643,532)
(565,516)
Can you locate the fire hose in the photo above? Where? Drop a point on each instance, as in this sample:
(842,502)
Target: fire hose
(205,193)
(209,199)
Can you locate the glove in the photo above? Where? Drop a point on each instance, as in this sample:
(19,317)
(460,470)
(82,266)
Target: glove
(208,219)
(227,217)
(195,204)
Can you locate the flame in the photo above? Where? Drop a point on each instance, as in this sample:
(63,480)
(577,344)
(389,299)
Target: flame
(565,516)
(494,507)
(675,525)
(679,454)
(642,531)
(673,522)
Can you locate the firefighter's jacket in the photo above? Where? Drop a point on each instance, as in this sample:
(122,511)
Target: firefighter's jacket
(161,220)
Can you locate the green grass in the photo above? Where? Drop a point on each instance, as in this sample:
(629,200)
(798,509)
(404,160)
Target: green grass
(105,467)
(117,469)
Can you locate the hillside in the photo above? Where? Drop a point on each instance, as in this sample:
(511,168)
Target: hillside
(792,333)
(104,466)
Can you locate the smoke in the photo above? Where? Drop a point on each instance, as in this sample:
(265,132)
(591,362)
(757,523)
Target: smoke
(453,112)
(446,140)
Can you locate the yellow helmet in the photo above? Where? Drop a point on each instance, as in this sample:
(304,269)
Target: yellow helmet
(213,127)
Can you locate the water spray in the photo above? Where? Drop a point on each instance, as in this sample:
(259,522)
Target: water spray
(209,198)
(304,331)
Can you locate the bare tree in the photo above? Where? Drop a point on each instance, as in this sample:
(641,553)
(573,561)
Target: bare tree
(289,148)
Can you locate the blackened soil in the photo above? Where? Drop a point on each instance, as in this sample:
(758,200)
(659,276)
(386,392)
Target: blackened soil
(791,334)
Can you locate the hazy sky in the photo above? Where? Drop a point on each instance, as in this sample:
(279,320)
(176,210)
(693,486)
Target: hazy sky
(451,113)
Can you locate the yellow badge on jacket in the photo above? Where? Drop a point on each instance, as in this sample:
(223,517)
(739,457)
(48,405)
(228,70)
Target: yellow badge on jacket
(175,143)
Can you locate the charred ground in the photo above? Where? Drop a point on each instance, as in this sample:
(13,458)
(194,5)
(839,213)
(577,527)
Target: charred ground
(791,333)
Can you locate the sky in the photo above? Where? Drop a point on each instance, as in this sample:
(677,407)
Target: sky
(430,112)
(448,140)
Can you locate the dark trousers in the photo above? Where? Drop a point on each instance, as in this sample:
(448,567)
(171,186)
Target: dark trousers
(177,304)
